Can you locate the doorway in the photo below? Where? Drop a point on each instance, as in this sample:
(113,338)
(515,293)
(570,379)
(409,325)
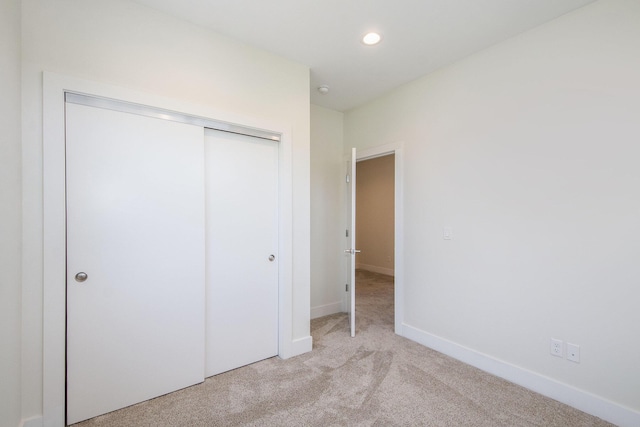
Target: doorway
(138,249)
(375,211)
(397,255)
(375,235)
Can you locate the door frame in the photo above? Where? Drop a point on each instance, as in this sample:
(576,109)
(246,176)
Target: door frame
(54,222)
(398,258)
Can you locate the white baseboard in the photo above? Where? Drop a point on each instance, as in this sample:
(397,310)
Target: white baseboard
(301,345)
(376,269)
(327,309)
(32,422)
(569,395)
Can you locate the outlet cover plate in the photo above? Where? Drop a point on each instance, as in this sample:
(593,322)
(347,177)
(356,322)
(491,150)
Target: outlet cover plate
(447,233)
(573,352)
(556,348)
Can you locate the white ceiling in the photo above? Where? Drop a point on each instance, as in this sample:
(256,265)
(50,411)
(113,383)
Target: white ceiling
(419,36)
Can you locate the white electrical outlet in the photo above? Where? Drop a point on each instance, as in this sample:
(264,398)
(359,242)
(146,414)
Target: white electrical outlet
(447,233)
(573,352)
(556,347)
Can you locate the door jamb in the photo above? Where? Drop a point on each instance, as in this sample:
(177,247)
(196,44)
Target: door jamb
(398,262)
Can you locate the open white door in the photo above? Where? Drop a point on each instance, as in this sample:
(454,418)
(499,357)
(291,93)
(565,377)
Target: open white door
(135,259)
(351,240)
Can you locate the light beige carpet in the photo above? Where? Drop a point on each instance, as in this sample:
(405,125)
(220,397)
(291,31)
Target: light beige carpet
(375,379)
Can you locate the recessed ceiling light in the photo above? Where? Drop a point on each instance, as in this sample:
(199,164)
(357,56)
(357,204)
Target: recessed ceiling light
(371,38)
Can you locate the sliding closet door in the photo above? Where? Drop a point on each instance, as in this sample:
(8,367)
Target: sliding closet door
(135,260)
(241,250)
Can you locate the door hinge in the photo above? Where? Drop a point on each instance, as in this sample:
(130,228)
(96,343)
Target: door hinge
(348,179)
(346,233)
(346,287)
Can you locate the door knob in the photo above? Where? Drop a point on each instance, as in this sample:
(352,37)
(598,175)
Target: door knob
(272,257)
(81,277)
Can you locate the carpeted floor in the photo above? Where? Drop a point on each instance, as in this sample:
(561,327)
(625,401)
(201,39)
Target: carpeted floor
(374,379)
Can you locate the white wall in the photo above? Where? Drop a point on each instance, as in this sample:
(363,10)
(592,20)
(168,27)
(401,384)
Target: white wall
(328,219)
(529,151)
(10,213)
(124,44)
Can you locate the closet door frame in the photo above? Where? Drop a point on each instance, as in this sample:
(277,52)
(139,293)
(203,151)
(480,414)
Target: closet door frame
(55,87)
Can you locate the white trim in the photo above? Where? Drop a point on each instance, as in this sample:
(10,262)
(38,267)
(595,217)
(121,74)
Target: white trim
(375,269)
(379,151)
(398,263)
(300,346)
(32,422)
(54,261)
(579,399)
(326,310)
(286,346)
(54,250)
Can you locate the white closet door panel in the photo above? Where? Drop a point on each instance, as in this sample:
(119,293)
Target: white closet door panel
(135,202)
(242,233)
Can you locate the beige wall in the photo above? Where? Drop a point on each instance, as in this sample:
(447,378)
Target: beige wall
(328,221)
(125,44)
(529,151)
(10,213)
(375,214)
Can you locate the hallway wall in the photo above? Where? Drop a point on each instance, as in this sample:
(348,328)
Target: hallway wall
(375,202)
(328,221)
